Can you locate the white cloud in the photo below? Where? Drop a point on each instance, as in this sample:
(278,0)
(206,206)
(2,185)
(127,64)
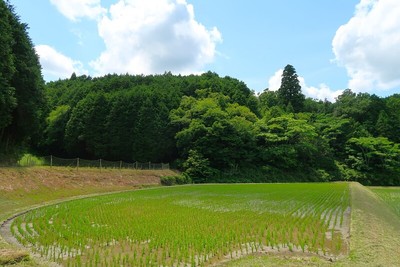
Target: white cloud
(368,46)
(76,9)
(322,92)
(56,65)
(144,37)
(274,83)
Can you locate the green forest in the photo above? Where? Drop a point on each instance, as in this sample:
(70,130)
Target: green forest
(212,128)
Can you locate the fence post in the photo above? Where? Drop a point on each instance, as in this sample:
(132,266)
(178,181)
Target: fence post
(136,165)
(149,165)
(51,161)
(100,164)
(77,163)
(120,164)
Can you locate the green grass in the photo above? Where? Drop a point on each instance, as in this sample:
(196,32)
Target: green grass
(190,225)
(390,195)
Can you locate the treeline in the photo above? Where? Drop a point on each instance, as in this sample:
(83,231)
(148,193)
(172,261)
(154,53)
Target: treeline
(124,117)
(214,129)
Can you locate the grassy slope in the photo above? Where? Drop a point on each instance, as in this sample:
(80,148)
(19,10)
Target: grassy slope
(24,188)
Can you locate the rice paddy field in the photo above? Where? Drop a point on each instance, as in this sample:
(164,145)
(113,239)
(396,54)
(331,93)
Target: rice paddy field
(197,225)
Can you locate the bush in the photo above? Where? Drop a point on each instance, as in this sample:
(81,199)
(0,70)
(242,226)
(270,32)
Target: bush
(29,160)
(197,167)
(175,180)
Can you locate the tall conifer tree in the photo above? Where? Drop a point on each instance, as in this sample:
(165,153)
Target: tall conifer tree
(290,90)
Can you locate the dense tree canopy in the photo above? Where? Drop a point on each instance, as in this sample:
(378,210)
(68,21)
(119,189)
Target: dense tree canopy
(135,110)
(215,129)
(212,127)
(21,86)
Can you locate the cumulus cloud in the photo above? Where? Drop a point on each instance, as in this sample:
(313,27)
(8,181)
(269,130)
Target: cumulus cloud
(368,46)
(144,37)
(274,83)
(56,65)
(322,92)
(76,9)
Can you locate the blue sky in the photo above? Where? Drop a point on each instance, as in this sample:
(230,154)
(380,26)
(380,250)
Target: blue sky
(333,44)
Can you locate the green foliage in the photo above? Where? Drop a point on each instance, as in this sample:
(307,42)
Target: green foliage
(21,98)
(218,132)
(175,180)
(28,160)
(336,131)
(84,131)
(267,100)
(212,127)
(373,153)
(392,107)
(7,68)
(54,132)
(376,160)
(135,111)
(287,141)
(383,126)
(198,168)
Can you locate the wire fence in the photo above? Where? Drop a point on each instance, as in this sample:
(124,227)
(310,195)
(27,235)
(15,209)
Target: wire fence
(99,163)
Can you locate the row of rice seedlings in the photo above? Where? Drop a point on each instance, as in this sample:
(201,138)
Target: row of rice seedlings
(153,229)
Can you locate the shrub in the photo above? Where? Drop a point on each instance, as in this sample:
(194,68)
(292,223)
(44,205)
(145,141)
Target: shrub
(29,160)
(175,180)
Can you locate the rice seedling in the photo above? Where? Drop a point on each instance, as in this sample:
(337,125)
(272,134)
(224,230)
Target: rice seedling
(190,225)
